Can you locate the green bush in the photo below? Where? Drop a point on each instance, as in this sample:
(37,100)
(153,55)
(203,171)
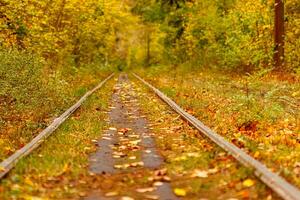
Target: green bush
(21,82)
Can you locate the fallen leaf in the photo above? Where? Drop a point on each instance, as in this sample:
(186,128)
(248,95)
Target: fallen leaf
(116,156)
(28,181)
(133,136)
(166,178)
(126,198)
(124,130)
(244,194)
(154,197)
(296,169)
(125,166)
(2,169)
(213,170)
(193,154)
(28,197)
(256,154)
(86,148)
(143,190)
(180,192)
(120,154)
(136,164)
(111,194)
(200,174)
(82,194)
(135,142)
(181,158)
(95,141)
(158,183)
(248,182)
(161,172)
(118,166)
(112,128)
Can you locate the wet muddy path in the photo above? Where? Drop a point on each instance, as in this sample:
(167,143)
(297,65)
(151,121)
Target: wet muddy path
(127,160)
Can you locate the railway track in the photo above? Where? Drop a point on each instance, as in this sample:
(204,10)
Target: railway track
(276,183)
(284,189)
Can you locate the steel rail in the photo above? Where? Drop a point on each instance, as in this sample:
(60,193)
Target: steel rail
(284,189)
(7,164)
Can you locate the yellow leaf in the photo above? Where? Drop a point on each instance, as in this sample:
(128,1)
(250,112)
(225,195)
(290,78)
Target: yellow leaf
(112,128)
(111,194)
(28,197)
(256,154)
(180,192)
(200,174)
(28,181)
(143,190)
(295,94)
(127,198)
(248,182)
(2,169)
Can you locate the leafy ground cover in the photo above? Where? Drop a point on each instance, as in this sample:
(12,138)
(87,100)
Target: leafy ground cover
(197,167)
(258,112)
(58,169)
(31,96)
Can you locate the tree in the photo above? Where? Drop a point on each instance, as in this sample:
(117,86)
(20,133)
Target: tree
(279,35)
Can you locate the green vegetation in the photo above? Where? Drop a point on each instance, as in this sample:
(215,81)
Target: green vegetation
(58,169)
(51,53)
(31,97)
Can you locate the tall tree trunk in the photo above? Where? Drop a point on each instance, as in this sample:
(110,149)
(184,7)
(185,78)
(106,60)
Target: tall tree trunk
(148,41)
(279,35)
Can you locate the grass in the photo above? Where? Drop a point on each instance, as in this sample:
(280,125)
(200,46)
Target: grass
(58,168)
(31,97)
(258,112)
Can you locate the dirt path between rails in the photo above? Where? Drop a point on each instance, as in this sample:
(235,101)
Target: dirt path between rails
(127,154)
